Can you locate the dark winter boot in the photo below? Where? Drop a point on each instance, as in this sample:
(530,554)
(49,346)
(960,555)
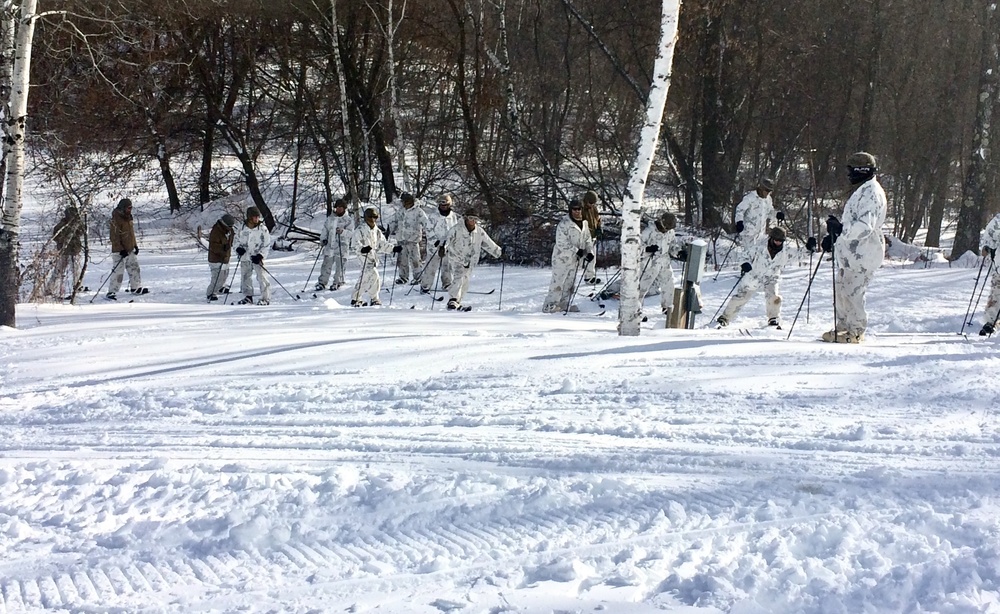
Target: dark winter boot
(453,303)
(986,330)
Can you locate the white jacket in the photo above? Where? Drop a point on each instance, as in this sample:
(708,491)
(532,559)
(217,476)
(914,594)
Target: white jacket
(409,224)
(665,241)
(254,240)
(765,268)
(754,212)
(464,247)
(861,245)
(329,234)
(991,234)
(369,237)
(440,226)
(569,239)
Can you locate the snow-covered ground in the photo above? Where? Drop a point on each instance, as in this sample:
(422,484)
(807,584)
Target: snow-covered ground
(168,455)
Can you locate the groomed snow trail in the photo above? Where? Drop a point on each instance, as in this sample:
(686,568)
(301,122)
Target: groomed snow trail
(302,457)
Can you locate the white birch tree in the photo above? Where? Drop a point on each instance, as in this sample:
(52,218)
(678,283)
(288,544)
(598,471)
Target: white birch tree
(629,311)
(10,223)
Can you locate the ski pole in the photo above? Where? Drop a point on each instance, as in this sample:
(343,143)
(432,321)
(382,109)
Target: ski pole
(392,288)
(239,258)
(833,265)
(725,300)
(320,253)
(437,278)
(597,295)
(503,265)
(113,269)
(356,295)
(970,312)
(264,268)
(725,258)
(805,296)
(420,275)
(576,286)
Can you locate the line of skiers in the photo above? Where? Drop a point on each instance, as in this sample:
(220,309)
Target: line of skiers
(855,242)
(455,254)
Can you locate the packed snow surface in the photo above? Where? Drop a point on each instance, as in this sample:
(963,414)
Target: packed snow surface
(168,455)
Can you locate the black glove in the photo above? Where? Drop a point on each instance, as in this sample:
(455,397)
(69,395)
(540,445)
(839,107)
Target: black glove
(811,244)
(123,253)
(366,249)
(588,257)
(780,215)
(827,244)
(834,227)
(739,227)
(652,249)
(240,251)
(397,249)
(580,253)
(441,251)
(745,268)
(135,250)
(257,259)
(324,241)
(682,255)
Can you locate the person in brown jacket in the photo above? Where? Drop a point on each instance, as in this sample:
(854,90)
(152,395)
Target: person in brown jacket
(68,238)
(124,251)
(220,245)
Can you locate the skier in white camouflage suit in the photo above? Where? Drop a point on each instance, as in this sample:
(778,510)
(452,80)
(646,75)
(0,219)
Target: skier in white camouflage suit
(335,238)
(768,258)
(253,243)
(659,245)
(755,213)
(465,243)
(574,248)
(410,225)
(991,242)
(368,242)
(858,248)
(437,239)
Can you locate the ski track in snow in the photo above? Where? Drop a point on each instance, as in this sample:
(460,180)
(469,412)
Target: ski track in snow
(170,456)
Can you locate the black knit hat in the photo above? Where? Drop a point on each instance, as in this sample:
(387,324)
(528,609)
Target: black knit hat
(228,220)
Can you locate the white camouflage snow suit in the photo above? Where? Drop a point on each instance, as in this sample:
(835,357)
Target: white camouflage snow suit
(369,281)
(990,240)
(409,226)
(858,252)
(437,237)
(255,241)
(657,275)
(766,272)
(337,233)
(571,238)
(464,247)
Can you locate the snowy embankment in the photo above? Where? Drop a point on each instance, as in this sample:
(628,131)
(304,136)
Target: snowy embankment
(167,455)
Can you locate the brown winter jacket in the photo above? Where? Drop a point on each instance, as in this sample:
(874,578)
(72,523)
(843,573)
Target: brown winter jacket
(122,232)
(68,233)
(220,243)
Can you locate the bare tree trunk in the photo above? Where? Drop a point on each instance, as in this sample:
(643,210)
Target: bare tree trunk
(352,173)
(629,312)
(10,279)
(973,212)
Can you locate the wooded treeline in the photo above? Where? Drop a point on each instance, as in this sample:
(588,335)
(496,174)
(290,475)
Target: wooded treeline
(518,105)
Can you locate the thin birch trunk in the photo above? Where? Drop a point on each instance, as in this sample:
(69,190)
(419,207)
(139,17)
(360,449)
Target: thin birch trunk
(629,312)
(11,220)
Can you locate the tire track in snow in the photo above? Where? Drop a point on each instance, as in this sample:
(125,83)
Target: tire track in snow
(440,541)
